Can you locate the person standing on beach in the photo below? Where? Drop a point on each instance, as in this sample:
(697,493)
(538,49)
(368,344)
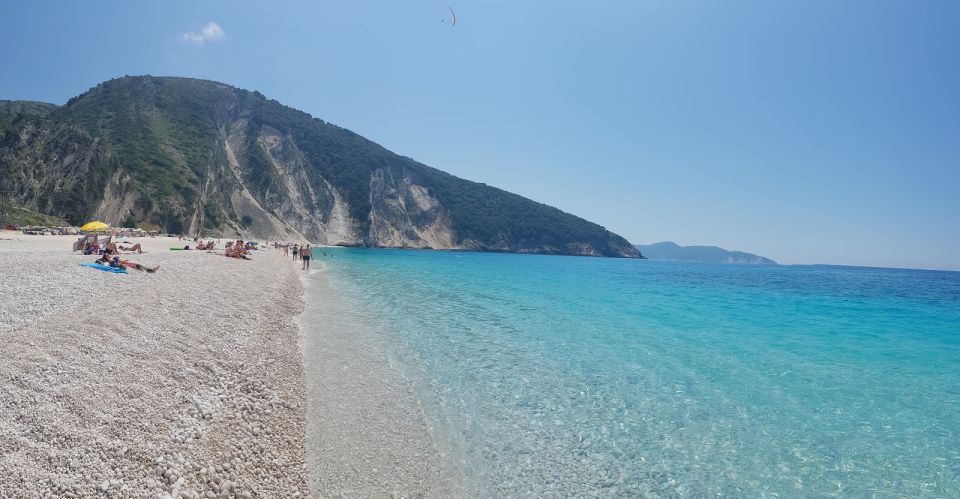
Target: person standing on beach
(305,256)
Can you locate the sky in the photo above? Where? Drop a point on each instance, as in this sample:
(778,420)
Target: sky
(805,131)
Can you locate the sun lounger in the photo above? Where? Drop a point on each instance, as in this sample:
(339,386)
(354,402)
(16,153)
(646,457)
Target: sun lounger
(79,244)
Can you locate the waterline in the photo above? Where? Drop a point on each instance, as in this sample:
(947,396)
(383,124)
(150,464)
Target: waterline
(367,435)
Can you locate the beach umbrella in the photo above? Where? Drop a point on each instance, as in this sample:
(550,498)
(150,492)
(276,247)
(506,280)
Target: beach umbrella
(94,226)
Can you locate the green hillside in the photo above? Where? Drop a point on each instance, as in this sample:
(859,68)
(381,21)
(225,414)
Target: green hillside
(24,217)
(198,156)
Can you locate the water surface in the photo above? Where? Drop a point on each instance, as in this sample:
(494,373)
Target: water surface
(566,375)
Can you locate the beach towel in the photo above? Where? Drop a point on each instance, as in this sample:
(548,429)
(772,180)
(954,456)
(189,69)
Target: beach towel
(105,268)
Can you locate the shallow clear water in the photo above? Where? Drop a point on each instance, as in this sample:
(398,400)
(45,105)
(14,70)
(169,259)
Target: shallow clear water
(628,377)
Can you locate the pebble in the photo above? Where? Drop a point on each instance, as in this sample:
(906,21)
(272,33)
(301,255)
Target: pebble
(203,377)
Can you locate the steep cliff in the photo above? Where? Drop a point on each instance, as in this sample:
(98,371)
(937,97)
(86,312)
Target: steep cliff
(201,157)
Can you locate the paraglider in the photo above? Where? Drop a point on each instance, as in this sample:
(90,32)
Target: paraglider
(453,16)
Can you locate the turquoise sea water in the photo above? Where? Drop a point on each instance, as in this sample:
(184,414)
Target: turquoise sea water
(575,376)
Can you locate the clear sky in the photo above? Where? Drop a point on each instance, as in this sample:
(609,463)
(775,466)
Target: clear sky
(806,131)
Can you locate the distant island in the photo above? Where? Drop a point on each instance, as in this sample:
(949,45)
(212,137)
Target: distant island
(706,254)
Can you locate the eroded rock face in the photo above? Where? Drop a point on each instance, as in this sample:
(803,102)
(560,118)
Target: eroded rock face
(291,200)
(119,198)
(307,203)
(206,159)
(46,165)
(404,215)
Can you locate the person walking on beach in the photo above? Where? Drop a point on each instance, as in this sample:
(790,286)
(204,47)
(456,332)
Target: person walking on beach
(296,252)
(305,256)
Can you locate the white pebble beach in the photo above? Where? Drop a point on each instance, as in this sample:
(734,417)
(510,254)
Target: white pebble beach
(188,382)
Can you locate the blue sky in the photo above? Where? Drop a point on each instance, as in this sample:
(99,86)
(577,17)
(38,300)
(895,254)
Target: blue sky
(807,131)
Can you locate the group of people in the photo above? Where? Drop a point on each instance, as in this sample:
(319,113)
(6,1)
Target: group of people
(109,251)
(235,249)
(205,245)
(91,245)
(300,252)
(239,249)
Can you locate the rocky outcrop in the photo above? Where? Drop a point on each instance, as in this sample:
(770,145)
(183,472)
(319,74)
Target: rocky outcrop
(404,215)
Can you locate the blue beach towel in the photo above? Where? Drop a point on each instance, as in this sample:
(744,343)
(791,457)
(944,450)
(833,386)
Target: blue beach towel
(105,268)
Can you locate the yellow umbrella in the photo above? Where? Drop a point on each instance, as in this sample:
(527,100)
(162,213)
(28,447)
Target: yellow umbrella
(94,226)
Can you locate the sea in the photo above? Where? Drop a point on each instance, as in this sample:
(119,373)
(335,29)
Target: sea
(560,376)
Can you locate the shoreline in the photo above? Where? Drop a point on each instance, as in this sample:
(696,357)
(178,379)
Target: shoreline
(367,434)
(187,382)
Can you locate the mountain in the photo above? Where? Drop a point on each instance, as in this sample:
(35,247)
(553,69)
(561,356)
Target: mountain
(201,157)
(706,254)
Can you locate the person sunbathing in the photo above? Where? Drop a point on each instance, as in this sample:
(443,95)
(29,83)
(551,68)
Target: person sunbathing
(110,248)
(238,250)
(135,247)
(117,262)
(91,248)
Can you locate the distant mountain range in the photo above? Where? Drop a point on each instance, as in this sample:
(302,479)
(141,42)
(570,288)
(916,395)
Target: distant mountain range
(707,254)
(199,157)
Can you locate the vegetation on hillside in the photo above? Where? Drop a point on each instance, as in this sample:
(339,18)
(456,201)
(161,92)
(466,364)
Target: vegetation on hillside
(13,108)
(24,217)
(164,137)
(52,166)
